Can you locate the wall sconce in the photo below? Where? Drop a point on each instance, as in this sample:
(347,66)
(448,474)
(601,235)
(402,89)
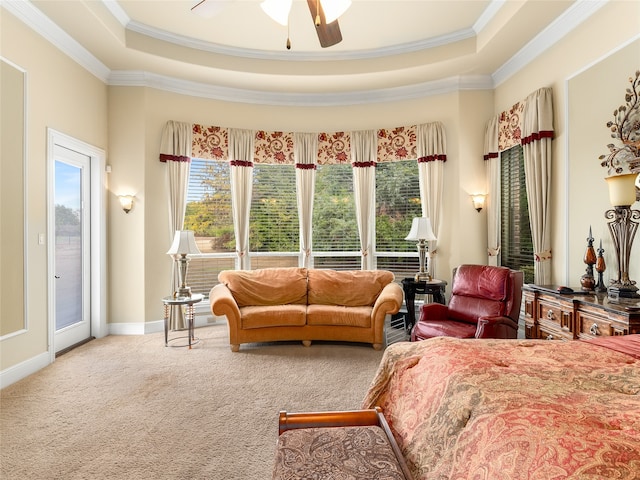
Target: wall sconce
(478,200)
(126,202)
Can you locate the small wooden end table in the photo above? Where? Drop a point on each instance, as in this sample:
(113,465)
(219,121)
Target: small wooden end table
(435,288)
(189,302)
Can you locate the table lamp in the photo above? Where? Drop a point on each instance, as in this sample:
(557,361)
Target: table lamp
(184,243)
(422,233)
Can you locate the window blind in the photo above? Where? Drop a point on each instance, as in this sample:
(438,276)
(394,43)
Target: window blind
(516,244)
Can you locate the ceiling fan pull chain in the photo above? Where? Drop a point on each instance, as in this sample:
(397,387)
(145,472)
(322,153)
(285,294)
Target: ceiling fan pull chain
(288,36)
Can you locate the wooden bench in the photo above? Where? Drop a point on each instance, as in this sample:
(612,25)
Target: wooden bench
(354,444)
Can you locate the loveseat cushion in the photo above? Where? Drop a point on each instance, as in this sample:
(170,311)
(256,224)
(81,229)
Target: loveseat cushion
(339,315)
(351,288)
(267,286)
(273,316)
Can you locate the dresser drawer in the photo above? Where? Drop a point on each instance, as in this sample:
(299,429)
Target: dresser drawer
(558,317)
(548,332)
(591,327)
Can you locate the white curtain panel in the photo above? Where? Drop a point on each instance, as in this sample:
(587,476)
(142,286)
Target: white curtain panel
(241,143)
(364,153)
(492,203)
(431,145)
(175,151)
(305,154)
(537,134)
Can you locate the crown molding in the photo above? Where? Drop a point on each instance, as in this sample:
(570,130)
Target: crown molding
(577,13)
(26,12)
(289,56)
(259,97)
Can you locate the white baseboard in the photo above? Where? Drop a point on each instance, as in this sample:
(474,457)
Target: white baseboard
(157,326)
(24,369)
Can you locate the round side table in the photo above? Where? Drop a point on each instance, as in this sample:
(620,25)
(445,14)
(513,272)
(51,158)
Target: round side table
(189,302)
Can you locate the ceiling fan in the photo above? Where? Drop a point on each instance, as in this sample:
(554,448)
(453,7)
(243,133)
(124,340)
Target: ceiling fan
(328,31)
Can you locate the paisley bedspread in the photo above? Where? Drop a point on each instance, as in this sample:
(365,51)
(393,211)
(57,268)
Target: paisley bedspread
(511,409)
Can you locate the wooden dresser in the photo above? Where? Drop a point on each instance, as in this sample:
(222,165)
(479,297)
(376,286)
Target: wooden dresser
(556,316)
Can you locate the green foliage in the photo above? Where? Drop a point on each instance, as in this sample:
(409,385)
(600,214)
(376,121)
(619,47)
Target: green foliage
(67,221)
(274,216)
(397,203)
(334,214)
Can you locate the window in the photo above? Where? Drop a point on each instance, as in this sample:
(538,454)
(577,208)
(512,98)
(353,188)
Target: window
(208,214)
(335,231)
(515,232)
(397,203)
(274,231)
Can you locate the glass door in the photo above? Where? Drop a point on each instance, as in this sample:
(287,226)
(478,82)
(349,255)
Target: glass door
(72,248)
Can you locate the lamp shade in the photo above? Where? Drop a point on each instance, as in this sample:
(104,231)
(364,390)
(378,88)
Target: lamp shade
(184,243)
(421,230)
(622,189)
(278,10)
(334,8)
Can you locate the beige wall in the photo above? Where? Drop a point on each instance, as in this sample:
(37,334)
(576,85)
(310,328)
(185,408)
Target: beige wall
(147,226)
(592,97)
(596,39)
(64,96)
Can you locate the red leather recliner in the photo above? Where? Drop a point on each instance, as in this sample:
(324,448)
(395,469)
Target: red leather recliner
(485,303)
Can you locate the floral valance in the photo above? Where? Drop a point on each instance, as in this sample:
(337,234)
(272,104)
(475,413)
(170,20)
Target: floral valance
(509,127)
(400,143)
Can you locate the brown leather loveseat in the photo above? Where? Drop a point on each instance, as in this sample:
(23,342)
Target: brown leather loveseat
(274,304)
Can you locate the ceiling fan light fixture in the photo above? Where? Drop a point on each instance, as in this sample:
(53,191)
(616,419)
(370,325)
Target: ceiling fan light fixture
(278,10)
(334,8)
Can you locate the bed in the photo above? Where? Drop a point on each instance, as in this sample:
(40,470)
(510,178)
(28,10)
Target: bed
(513,409)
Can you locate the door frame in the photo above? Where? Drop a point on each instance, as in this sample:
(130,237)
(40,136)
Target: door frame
(97,230)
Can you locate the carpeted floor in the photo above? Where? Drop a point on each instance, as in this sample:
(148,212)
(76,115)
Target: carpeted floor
(127,407)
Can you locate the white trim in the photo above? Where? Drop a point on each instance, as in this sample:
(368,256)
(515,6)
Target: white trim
(25,203)
(157,326)
(289,56)
(572,17)
(21,370)
(566,280)
(98,233)
(43,25)
(577,13)
(203,90)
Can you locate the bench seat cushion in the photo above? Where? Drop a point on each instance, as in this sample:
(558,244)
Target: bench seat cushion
(356,453)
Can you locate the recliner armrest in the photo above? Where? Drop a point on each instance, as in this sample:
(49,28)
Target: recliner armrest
(496,327)
(434,311)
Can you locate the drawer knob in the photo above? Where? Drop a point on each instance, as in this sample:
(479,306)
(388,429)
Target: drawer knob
(550,315)
(594,329)
(549,337)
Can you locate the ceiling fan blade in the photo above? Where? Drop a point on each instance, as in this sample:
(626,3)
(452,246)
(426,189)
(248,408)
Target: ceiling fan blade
(209,8)
(328,33)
